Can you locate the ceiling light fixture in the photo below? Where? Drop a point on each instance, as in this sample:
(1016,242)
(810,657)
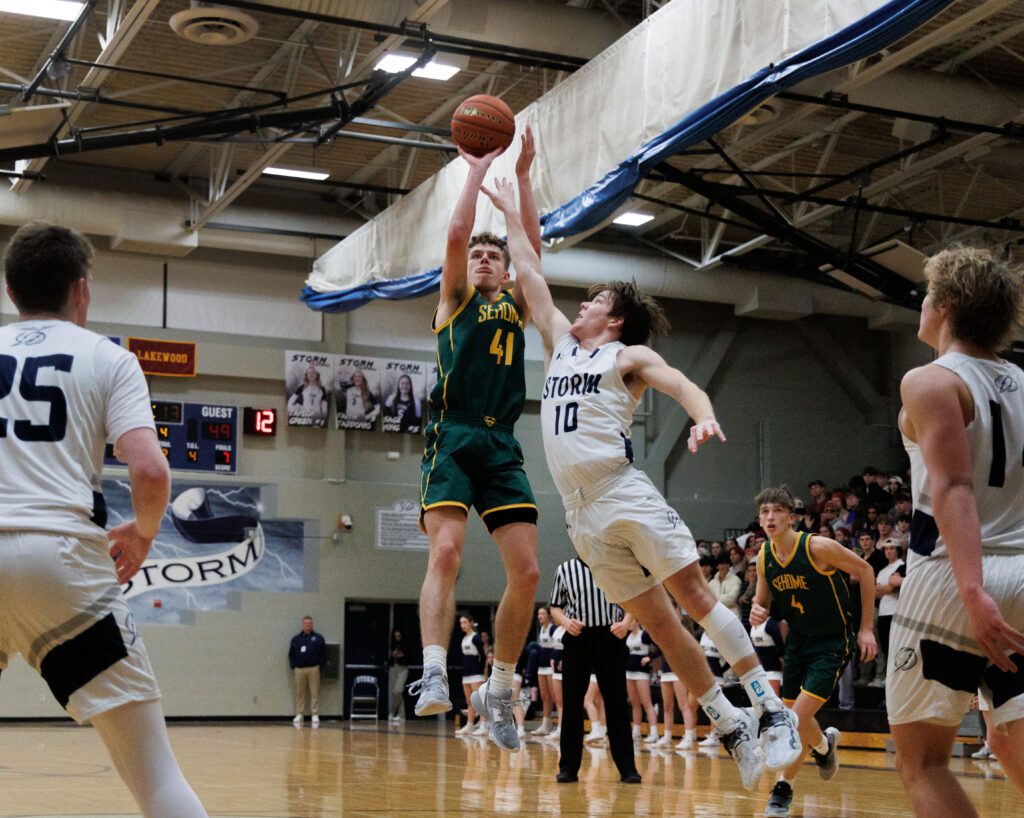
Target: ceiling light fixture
(397,62)
(51,9)
(297,173)
(633,219)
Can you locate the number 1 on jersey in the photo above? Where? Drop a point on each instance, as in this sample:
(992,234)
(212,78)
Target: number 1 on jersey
(497,350)
(567,421)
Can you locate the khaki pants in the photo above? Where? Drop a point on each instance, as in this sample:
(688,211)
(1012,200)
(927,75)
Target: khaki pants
(307,676)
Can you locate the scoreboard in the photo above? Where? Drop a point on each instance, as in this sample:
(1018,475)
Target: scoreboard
(194,436)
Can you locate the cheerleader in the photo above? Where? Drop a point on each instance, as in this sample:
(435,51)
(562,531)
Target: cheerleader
(674,690)
(718,667)
(556,679)
(593,703)
(545,629)
(472,672)
(638,681)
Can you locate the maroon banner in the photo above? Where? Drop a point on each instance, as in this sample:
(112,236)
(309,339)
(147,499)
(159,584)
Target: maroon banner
(176,359)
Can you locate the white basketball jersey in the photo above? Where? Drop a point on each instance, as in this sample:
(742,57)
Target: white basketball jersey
(64,392)
(996,440)
(586,414)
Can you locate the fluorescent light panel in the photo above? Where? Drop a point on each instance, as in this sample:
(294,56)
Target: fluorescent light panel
(633,219)
(295,173)
(51,9)
(433,70)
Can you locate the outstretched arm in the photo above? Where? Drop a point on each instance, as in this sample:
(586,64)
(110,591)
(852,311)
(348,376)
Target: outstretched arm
(551,323)
(460,228)
(650,369)
(527,211)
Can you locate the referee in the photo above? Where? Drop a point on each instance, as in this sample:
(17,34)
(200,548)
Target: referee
(593,643)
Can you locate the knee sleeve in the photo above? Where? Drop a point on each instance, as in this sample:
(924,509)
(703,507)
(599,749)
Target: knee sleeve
(726,631)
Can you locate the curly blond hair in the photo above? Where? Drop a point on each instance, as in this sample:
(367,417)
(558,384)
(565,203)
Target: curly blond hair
(984,294)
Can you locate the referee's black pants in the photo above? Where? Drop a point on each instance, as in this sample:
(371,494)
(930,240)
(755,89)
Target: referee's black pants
(595,650)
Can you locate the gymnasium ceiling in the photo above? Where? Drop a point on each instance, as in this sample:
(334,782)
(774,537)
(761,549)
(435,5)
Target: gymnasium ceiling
(921,144)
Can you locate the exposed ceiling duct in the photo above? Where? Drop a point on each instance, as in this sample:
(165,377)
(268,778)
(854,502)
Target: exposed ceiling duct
(212,24)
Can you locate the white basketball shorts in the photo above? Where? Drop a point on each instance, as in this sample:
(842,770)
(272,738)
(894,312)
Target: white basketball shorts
(630,537)
(62,609)
(934,664)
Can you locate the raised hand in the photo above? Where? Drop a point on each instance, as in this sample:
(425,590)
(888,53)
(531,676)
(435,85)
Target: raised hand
(480,162)
(527,152)
(703,432)
(503,196)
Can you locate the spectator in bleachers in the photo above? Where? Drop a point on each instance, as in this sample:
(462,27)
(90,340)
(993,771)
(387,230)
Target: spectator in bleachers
(871,517)
(885,529)
(843,536)
(725,585)
(875,489)
(901,505)
(747,593)
(818,497)
(887,591)
(716,550)
(737,561)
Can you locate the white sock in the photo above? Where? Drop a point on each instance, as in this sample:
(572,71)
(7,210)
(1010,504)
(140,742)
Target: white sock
(502,676)
(723,714)
(136,736)
(822,748)
(726,631)
(755,682)
(435,655)
(691,734)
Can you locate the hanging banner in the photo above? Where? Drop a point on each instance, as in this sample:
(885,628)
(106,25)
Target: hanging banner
(306,375)
(357,392)
(214,541)
(176,359)
(403,387)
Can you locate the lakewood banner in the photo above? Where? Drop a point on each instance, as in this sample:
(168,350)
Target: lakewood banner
(214,540)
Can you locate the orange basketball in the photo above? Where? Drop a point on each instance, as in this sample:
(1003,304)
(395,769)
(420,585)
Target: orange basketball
(482,124)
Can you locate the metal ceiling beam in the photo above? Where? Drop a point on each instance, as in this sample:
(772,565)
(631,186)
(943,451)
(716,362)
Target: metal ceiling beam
(58,52)
(425,11)
(883,66)
(115,48)
(853,263)
(296,39)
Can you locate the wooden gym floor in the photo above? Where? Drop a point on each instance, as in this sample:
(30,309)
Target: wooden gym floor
(418,770)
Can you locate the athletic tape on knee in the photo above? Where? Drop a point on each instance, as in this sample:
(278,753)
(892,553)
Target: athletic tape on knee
(726,631)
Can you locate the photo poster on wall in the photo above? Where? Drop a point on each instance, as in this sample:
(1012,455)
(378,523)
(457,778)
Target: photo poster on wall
(214,541)
(307,378)
(403,385)
(357,391)
(431,383)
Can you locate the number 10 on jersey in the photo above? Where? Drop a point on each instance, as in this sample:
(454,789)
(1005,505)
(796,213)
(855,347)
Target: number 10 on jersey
(566,417)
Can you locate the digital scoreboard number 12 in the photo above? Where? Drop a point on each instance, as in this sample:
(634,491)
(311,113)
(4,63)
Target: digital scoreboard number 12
(262,422)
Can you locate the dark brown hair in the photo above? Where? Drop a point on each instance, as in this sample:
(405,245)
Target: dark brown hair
(42,263)
(490,238)
(642,317)
(778,495)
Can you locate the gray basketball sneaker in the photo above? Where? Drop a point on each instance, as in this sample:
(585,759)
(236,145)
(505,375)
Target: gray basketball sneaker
(744,749)
(779,801)
(433,689)
(501,721)
(828,762)
(778,735)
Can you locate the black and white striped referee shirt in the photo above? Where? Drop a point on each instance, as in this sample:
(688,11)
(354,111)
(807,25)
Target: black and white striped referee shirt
(576,593)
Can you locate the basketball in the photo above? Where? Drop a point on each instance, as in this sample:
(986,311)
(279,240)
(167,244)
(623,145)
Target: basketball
(483,123)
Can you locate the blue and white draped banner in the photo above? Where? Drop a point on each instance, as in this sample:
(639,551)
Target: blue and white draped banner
(685,73)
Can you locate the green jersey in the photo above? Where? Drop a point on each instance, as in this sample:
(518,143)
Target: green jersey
(812,601)
(480,370)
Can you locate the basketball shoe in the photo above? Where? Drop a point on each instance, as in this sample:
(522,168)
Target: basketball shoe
(742,745)
(779,801)
(778,736)
(500,713)
(432,687)
(828,762)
